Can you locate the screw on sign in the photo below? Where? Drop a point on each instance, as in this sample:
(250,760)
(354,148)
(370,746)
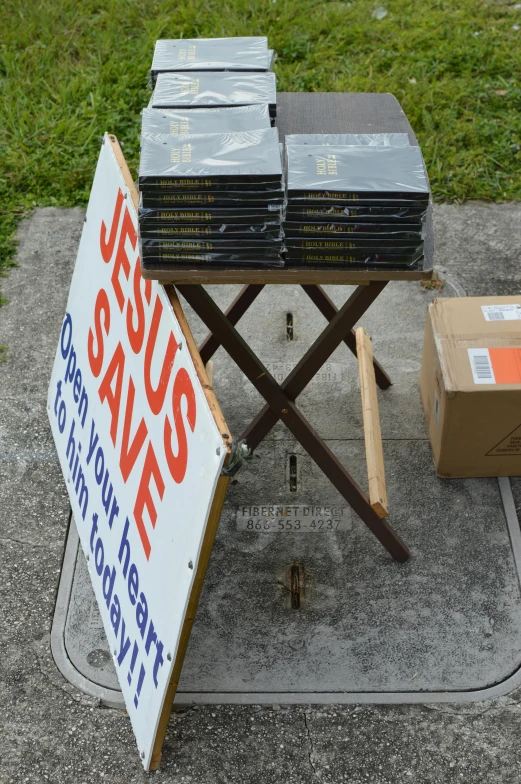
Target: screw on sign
(140,449)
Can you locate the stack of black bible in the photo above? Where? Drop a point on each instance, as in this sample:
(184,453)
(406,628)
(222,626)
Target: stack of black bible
(211,174)
(203,89)
(205,72)
(211,54)
(210,198)
(166,123)
(357,200)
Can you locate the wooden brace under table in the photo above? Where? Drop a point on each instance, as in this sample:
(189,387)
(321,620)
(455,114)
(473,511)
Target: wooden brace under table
(280,399)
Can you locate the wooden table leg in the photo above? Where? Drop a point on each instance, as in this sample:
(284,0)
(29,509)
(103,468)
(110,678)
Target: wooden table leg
(236,311)
(328,309)
(339,326)
(285,409)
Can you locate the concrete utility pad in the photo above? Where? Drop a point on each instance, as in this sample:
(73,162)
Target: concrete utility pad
(447,621)
(52,732)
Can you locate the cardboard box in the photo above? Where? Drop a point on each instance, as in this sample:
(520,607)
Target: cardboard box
(470,385)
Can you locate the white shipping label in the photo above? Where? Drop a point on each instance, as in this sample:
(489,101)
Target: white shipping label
(501,312)
(481,365)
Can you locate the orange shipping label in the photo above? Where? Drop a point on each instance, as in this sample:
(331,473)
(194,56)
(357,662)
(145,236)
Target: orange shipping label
(506,363)
(495,365)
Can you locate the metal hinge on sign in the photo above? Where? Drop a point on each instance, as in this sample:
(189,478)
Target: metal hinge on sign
(239,455)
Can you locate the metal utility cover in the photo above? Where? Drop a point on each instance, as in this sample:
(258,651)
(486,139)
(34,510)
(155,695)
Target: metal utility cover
(445,626)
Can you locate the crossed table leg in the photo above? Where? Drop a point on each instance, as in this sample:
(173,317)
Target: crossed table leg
(280,399)
(316,293)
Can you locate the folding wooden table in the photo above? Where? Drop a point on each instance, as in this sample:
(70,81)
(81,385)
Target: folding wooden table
(312,113)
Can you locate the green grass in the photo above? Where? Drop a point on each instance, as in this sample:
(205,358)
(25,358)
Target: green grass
(71,70)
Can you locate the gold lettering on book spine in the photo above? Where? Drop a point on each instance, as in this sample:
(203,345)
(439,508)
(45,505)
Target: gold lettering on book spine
(324,259)
(327,165)
(185,257)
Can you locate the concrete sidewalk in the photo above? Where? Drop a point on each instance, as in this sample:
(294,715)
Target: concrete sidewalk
(53,733)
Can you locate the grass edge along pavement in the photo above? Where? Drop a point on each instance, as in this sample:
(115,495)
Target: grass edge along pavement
(69,72)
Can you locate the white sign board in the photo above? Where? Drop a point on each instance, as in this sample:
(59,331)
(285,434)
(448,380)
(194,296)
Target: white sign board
(138,446)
